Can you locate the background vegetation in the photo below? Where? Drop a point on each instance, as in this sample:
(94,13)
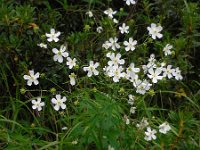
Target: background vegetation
(96,106)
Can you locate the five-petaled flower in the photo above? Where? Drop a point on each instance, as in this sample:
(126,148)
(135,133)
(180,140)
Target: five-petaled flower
(59,102)
(110,12)
(164,128)
(59,54)
(53,35)
(167,49)
(91,69)
(32,78)
(154,31)
(37,104)
(124,29)
(71,62)
(155,74)
(130,44)
(150,134)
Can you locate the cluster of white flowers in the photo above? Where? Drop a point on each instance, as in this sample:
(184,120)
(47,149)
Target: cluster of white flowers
(58,102)
(115,69)
(150,134)
(129,2)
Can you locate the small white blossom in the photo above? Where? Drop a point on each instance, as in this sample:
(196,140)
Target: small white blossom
(71,62)
(72,77)
(106,45)
(150,134)
(110,12)
(110,147)
(99,29)
(116,73)
(167,49)
(131,99)
(154,31)
(127,121)
(32,78)
(115,21)
(42,45)
(75,142)
(113,43)
(91,69)
(130,45)
(155,75)
(37,104)
(177,74)
(131,72)
(115,59)
(164,128)
(143,123)
(129,2)
(167,72)
(132,110)
(59,102)
(124,29)
(141,86)
(53,35)
(90,14)
(59,54)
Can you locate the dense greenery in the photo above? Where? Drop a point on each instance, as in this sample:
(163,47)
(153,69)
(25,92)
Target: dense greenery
(97,114)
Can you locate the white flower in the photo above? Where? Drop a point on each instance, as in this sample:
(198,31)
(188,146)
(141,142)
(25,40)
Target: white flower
(110,12)
(106,45)
(71,62)
(129,2)
(155,75)
(150,134)
(124,29)
(59,102)
(59,54)
(141,86)
(72,77)
(99,29)
(167,72)
(75,142)
(177,74)
(131,72)
(167,49)
(90,14)
(132,110)
(115,60)
(37,104)
(143,123)
(113,43)
(130,45)
(116,73)
(91,69)
(53,36)
(164,128)
(154,31)
(131,99)
(32,78)
(42,45)
(115,20)
(126,119)
(110,147)
(64,128)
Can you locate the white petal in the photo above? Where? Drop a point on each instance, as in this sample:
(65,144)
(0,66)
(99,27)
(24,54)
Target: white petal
(63,106)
